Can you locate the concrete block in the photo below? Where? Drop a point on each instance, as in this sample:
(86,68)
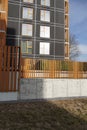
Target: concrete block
(52,88)
(59,88)
(83,87)
(9,96)
(28,89)
(74,88)
(44,88)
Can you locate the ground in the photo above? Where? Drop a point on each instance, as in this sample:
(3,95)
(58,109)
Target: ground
(46,115)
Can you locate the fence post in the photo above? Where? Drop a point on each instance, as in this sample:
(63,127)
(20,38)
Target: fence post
(75,70)
(52,68)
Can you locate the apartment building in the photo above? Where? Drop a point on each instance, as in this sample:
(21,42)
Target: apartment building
(40,27)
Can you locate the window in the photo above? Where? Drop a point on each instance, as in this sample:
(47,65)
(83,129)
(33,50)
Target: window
(27,13)
(44,48)
(45,16)
(28,1)
(45,2)
(26,47)
(27,29)
(45,31)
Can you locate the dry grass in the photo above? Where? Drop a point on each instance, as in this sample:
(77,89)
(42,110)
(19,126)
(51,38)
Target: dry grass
(52,115)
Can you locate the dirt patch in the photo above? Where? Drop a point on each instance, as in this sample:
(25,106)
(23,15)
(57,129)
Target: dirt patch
(50,115)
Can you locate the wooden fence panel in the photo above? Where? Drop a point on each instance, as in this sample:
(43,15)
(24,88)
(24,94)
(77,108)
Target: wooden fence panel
(9,68)
(43,68)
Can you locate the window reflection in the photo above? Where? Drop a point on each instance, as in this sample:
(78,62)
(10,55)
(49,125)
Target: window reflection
(45,15)
(27,13)
(27,29)
(26,46)
(45,2)
(45,31)
(44,48)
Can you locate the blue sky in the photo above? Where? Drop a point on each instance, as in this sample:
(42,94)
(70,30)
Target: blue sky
(78,25)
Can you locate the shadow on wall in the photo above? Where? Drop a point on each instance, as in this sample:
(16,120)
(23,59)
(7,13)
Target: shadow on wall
(49,115)
(42,116)
(11,38)
(31,89)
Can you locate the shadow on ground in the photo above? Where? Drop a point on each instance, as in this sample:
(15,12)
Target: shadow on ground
(49,115)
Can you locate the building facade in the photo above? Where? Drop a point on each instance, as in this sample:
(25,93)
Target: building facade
(3,21)
(40,27)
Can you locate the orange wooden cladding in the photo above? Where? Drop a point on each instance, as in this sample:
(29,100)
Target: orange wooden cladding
(4,9)
(66,29)
(9,68)
(3,20)
(66,7)
(41,68)
(2,32)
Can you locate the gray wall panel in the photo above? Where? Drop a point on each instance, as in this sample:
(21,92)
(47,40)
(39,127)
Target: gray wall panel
(13,10)
(60,17)
(59,49)
(12,28)
(59,4)
(59,33)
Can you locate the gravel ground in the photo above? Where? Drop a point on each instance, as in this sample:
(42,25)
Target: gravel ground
(47,115)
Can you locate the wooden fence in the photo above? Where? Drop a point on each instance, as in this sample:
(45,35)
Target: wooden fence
(42,68)
(9,68)
(13,67)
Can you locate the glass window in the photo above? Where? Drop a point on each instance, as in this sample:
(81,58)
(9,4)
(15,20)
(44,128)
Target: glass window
(27,13)
(27,29)
(28,1)
(44,48)
(26,47)
(45,2)
(45,16)
(45,31)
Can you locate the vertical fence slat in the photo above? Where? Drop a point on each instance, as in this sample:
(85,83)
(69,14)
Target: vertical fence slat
(12,67)
(9,68)
(6,69)
(1,68)
(38,68)
(19,68)
(15,67)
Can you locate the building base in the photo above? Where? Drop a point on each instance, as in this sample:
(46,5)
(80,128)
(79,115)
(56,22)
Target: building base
(46,89)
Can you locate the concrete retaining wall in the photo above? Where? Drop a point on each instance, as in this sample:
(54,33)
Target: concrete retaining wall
(52,88)
(47,89)
(9,96)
